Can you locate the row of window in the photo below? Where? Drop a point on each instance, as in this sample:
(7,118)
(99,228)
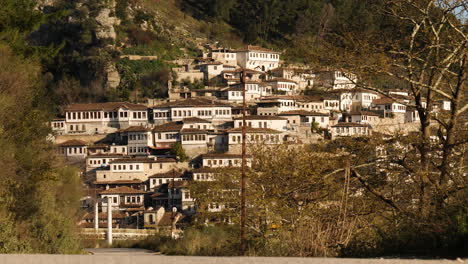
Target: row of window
(138,137)
(137,149)
(203,176)
(286,86)
(347,130)
(249,124)
(257,137)
(331,104)
(169,136)
(264,55)
(220,162)
(161,114)
(97,161)
(312,106)
(77,128)
(73,150)
(124,167)
(58,124)
(97,115)
(194,137)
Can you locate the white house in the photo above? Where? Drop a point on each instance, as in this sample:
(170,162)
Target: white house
(262,136)
(254,90)
(364,117)
(139,140)
(99,118)
(122,198)
(211,70)
(73,149)
(204,108)
(334,79)
(273,105)
(222,160)
(58,126)
(283,85)
(305,118)
(225,56)
(263,121)
(346,129)
(257,58)
(159,179)
(390,108)
(135,168)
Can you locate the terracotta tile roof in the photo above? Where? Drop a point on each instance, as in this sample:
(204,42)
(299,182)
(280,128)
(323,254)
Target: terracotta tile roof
(169,174)
(384,100)
(108,155)
(97,146)
(166,220)
(261,117)
(254,130)
(168,127)
(72,143)
(119,182)
(194,120)
(178,184)
(254,48)
(364,113)
(222,156)
(134,160)
(111,106)
(143,160)
(122,190)
(302,113)
(193,131)
(193,102)
(351,124)
(136,129)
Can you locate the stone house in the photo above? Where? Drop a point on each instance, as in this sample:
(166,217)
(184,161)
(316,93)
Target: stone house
(257,58)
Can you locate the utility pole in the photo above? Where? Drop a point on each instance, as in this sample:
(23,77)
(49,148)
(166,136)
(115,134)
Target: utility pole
(109,220)
(244,165)
(96,214)
(173,205)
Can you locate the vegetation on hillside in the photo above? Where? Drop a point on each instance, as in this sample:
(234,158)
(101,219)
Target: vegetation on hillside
(39,194)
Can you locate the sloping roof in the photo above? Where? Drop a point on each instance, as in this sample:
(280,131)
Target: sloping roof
(136,129)
(178,184)
(195,120)
(254,48)
(351,124)
(364,113)
(119,182)
(193,131)
(169,174)
(72,143)
(143,160)
(302,113)
(108,155)
(168,127)
(194,102)
(254,130)
(384,100)
(122,190)
(110,106)
(98,146)
(261,117)
(221,156)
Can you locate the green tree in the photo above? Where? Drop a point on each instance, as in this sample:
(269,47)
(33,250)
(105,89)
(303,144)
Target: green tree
(39,194)
(179,152)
